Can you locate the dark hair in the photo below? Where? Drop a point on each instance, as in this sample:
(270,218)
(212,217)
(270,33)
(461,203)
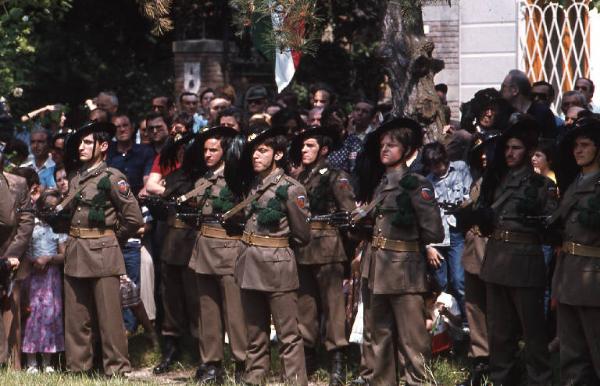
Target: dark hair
(186,93)
(29,174)
(434,153)
(321,86)
(323,140)
(152,115)
(184,119)
(549,150)
(170,101)
(15,145)
(58,167)
(41,202)
(231,112)
(278,143)
(280,118)
(334,109)
(289,98)
(102,136)
(443,87)
(520,79)
(551,93)
(206,90)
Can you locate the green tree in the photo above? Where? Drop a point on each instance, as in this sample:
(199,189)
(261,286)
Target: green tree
(19,41)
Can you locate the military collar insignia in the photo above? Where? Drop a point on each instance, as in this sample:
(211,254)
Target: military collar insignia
(323,171)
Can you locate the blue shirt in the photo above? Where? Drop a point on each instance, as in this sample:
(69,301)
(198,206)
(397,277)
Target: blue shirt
(453,188)
(135,163)
(45,172)
(344,158)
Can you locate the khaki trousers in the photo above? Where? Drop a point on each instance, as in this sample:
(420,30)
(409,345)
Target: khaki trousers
(283,307)
(398,323)
(221,305)
(321,290)
(513,312)
(180,300)
(90,302)
(475,308)
(579,333)
(10,329)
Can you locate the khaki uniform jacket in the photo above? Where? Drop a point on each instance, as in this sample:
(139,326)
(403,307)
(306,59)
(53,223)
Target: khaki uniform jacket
(212,256)
(274,269)
(18,240)
(474,243)
(101,257)
(518,264)
(8,220)
(391,272)
(577,278)
(179,240)
(332,189)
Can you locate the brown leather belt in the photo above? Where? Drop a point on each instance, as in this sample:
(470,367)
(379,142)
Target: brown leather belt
(265,241)
(90,233)
(217,233)
(580,250)
(515,237)
(380,242)
(321,226)
(179,224)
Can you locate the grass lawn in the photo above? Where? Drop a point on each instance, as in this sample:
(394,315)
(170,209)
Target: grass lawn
(446,370)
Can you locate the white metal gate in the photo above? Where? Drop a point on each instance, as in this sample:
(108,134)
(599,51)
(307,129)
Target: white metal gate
(554,42)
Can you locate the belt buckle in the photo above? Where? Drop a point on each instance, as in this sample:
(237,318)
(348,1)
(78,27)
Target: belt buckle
(251,238)
(75,232)
(378,242)
(571,248)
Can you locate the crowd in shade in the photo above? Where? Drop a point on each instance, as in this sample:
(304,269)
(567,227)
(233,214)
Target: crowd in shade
(244,220)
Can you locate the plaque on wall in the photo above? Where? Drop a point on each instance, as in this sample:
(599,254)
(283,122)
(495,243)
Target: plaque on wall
(191,77)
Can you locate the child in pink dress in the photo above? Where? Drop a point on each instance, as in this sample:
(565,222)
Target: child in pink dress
(44,330)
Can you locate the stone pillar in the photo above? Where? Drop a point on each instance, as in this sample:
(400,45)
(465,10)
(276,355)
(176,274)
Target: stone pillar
(205,52)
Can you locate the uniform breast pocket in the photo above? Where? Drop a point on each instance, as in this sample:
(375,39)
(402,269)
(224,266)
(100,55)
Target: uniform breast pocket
(102,243)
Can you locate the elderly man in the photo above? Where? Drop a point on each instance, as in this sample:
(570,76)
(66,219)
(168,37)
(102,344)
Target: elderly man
(42,163)
(107,100)
(516,89)
(586,87)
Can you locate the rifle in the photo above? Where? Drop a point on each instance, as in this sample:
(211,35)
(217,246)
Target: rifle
(157,201)
(342,220)
(451,208)
(214,218)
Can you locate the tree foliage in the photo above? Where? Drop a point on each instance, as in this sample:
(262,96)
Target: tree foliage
(20,38)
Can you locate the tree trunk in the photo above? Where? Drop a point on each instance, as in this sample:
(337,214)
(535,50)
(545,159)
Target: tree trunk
(411,67)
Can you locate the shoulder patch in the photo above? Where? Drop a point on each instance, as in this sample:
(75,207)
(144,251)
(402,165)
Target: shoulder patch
(301,201)
(123,187)
(344,183)
(427,194)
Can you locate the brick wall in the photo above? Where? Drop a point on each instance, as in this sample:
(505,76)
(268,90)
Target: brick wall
(442,27)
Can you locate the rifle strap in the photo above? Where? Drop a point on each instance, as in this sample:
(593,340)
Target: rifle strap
(363,210)
(194,192)
(64,203)
(249,199)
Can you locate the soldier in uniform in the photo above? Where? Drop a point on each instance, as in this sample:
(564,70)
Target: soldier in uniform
(102,213)
(213,258)
(406,217)
(321,262)
(475,296)
(178,282)
(576,282)
(276,208)
(7,207)
(513,268)
(16,241)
